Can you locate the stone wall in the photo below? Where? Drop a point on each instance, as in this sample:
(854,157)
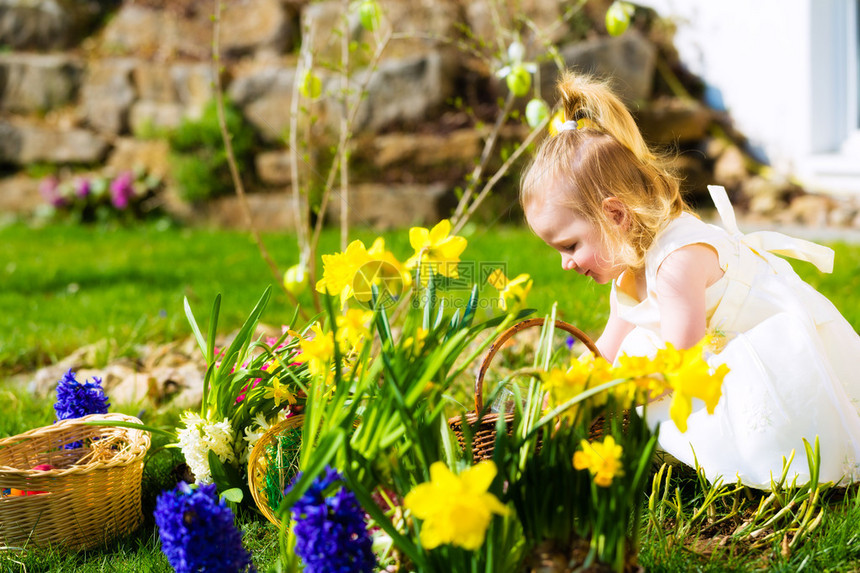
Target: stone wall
(83,81)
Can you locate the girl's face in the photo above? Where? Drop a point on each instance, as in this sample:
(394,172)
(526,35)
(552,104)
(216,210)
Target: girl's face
(575,238)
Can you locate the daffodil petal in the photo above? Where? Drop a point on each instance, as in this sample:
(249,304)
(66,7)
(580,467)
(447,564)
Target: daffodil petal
(440,231)
(479,477)
(421,501)
(419,237)
(497,279)
(450,248)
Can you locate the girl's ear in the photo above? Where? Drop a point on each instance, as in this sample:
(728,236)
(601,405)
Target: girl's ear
(616,211)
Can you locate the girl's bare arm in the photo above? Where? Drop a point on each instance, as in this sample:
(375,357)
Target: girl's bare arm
(682,280)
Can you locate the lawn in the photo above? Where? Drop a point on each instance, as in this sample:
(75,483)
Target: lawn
(68,286)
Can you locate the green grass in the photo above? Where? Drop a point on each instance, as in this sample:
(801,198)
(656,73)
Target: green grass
(66,286)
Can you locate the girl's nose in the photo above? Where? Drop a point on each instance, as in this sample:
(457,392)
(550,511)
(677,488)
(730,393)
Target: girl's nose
(567,263)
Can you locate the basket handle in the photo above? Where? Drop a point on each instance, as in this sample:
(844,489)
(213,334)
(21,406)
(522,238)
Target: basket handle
(504,336)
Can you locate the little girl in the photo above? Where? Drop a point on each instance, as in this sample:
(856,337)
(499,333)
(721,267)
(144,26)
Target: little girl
(605,202)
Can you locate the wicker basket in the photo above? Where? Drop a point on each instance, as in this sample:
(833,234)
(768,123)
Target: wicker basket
(91,495)
(273,464)
(483,428)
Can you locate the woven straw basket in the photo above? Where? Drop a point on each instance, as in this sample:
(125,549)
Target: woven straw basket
(483,428)
(273,464)
(91,495)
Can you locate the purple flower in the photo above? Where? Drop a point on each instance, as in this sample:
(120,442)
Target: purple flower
(197,531)
(569,342)
(82,187)
(75,399)
(122,190)
(49,188)
(331,535)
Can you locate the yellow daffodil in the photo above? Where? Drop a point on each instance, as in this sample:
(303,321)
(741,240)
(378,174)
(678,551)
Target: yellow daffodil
(378,252)
(352,328)
(279,392)
(339,271)
(603,460)
(382,270)
(317,351)
(455,509)
(416,343)
(690,377)
(644,375)
(510,291)
(563,385)
(435,250)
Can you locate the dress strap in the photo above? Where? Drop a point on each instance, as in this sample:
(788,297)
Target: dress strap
(771,241)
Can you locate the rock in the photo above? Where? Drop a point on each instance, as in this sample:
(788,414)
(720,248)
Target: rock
(383,207)
(406,91)
(188,86)
(730,168)
(150,155)
(810,210)
(182,385)
(255,26)
(264,95)
(37,83)
(19,194)
(157,34)
(843,214)
(153,82)
(421,25)
(11,142)
(107,95)
(324,25)
(715,146)
(46,25)
(269,212)
(26,142)
(544,14)
(427,150)
(122,382)
(766,196)
(672,120)
(194,85)
(148,116)
(628,60)
(274,167)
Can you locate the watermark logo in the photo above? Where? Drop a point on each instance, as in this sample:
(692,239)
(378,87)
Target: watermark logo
(385,277)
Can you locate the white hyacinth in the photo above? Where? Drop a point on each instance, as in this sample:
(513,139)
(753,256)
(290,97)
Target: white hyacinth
(201,435)
(260,427)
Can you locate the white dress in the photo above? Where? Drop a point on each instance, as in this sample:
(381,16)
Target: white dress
(794,360)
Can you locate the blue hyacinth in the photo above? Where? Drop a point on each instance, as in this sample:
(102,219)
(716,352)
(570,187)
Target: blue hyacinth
(331,535)
(76,399)
(197,531)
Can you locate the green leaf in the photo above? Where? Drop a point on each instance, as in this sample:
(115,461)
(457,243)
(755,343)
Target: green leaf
(196,329)
(219,474)
(234,494)
(213,323)
(472,305)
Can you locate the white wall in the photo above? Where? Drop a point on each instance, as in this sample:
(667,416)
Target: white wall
(770,60)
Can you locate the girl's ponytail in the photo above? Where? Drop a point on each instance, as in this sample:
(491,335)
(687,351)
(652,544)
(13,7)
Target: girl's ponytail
(593,104)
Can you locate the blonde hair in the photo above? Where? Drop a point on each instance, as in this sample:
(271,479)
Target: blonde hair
(605,157)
